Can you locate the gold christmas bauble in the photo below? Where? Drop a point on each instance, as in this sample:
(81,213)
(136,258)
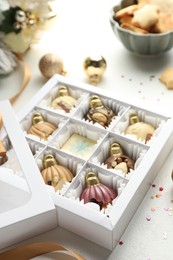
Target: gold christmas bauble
(51,64)
(94,67)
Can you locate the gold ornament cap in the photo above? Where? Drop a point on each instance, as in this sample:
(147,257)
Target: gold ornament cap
(133,119)
(37,118)
(94,68)
(63,91)
(95,102)
(91,179)
(49,161)
(116,150)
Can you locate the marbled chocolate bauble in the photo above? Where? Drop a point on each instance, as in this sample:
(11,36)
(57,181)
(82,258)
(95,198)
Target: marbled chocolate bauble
(117,160)
(98,112)
(54,174)
(97,191)
(0,120)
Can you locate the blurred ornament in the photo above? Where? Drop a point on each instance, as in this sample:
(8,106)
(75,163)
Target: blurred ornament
(118,161)
(63,100)
(8,60)
(97,191)
(141,130)
(94,68)
(22,23)
(51,64)
(98,112)
(40,127)
(54,174)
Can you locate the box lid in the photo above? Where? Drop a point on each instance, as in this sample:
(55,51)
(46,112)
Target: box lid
(21,197)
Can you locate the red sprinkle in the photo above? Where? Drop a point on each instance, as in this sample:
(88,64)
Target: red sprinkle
(120,243)
(153,185)
(161,189)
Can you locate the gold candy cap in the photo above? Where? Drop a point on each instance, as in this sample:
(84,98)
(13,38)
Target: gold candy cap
(91,179)
(133,119)
(63,91)
(95,102)
(116,149)
(49,161)
(37,118)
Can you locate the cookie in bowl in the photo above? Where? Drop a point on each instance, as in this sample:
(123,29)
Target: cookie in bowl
(144,27)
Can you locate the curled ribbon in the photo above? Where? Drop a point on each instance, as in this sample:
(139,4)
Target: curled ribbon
(29,251)
(3,156)
(26,78)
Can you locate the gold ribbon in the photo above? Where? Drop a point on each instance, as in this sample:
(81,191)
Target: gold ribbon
(29,251)
(3,156)
(26,78)
(0,120)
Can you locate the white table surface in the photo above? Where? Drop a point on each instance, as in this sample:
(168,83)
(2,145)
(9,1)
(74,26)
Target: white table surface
(81,29)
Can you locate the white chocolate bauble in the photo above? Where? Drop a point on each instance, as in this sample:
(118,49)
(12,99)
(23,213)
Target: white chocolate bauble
(140,130)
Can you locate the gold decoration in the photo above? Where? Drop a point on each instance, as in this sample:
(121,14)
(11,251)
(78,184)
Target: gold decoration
(98,112)
(51,64)
(94,68)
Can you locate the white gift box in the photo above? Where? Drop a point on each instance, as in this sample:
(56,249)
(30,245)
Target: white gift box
(102,226)
(26,208)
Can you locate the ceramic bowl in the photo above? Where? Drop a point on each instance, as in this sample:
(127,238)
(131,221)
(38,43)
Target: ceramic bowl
(143,44)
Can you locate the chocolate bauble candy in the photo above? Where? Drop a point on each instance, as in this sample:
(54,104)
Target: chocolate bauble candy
(54,174)
(97,191)
(98,112)
(40,127)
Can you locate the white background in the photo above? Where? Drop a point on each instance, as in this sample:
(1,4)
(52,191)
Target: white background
(82,29)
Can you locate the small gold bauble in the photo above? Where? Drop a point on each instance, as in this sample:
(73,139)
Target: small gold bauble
(94,68)
(51,64)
